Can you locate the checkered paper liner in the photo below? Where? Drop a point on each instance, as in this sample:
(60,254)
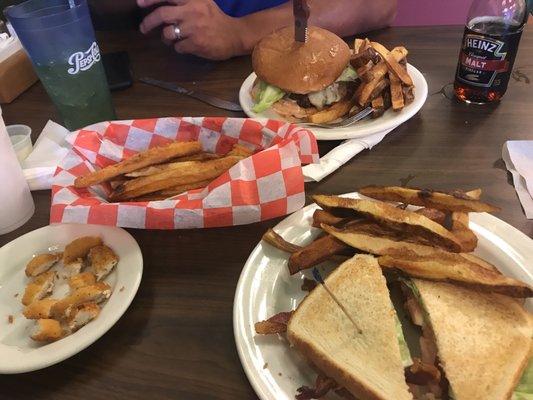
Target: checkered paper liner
(266,185)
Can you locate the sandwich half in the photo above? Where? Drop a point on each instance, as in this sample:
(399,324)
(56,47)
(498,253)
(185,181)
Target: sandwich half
(361,353)
(482,341)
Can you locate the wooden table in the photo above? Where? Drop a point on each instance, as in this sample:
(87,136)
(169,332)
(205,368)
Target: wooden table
(176,339)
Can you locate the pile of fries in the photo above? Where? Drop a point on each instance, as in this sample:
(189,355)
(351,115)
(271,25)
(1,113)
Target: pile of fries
(385,81)
(431,242)
(163,172)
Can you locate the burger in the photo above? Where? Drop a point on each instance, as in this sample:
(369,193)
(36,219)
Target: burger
(298,80)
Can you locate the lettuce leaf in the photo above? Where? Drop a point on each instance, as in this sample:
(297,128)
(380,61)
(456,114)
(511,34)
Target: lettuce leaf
(524,390)
(349,74)
(266,96)
(404,349)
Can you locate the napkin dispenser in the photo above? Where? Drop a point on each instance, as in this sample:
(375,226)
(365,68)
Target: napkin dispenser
(16,70)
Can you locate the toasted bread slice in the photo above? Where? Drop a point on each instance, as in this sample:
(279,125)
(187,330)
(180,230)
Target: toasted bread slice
(367,364)
(102,260)
(39,309)
(454,268)
(483,339)
(396,218)
(80,280)
(47,330)
(42,263)
(89,294)
(41,286)
(455,201)
(82,315)
(79,248)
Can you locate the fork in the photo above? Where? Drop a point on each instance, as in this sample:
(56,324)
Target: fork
(344,123)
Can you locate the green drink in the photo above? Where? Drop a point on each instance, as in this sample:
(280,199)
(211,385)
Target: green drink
(59,38)
(81,99)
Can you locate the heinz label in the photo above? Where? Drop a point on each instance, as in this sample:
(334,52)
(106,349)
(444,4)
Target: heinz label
(481,60)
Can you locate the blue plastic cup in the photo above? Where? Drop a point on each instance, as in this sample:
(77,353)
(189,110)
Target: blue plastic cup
(59,38)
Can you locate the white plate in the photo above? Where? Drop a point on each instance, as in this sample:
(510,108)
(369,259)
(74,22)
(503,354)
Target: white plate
(266,288)
(19,353)
(390,120)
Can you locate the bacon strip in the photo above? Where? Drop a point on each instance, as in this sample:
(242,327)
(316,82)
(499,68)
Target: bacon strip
(421,373)
(275,324)
(323,385)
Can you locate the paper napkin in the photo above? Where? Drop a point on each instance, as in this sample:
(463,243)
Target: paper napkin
(339,156)
(49,149)
(518,157)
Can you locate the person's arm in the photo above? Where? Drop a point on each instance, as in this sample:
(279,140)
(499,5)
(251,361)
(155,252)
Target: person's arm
(343,17)
(200,27)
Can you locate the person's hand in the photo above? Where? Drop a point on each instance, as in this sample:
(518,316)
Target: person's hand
(205,30)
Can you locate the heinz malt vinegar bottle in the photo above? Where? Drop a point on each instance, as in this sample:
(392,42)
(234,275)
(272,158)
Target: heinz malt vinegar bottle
(490,43)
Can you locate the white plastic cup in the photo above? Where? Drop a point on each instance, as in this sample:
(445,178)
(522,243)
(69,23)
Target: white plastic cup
(16,203)
(20,136)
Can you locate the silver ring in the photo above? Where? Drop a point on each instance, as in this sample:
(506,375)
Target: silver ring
(177,32)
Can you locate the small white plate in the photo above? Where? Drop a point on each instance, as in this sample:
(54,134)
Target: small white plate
(266,288)
(390,120)
(19,353)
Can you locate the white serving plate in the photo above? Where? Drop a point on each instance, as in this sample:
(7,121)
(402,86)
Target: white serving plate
(390,120)
(266,288)
(19,353)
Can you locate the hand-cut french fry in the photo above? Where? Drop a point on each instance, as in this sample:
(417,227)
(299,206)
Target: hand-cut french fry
(474,194)
(272,238)
(364,94)
(477,260)
(358,45)
(380,87)
(324,217)
(172,192)
(241,151)
(362,58)
(175,190)
(202,156)
(156,169)
(457,270)
(408,94)
(365,237)
(154,155)
(395,218)
(332,113)
(433,214)
(362,72)
(396,92)
(455,201)
(381,68)
(393,64)
(318,251)
(378,106)
(188,172)
(462,232)
(148,197)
